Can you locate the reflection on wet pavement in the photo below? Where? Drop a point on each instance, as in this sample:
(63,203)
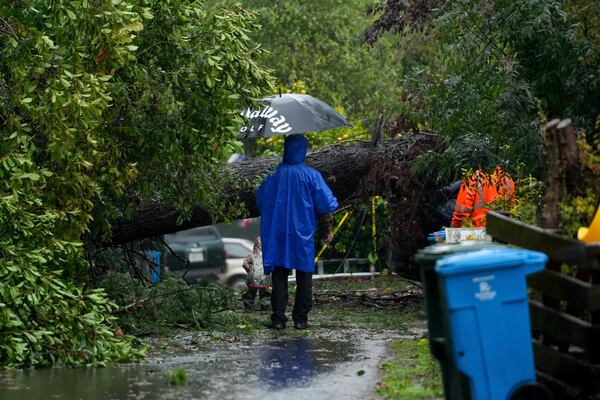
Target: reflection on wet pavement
(247,368)
(287,363)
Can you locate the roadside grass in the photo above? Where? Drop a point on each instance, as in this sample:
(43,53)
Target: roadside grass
(411,373)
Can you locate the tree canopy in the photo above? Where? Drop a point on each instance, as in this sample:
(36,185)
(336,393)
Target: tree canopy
(490,72)
(103,104)
(320,44)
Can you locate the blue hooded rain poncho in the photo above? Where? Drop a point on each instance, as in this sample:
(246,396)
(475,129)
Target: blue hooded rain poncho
(290,201)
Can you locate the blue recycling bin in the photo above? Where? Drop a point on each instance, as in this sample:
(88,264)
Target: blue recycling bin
(485,298)
(154,265)
(456,384)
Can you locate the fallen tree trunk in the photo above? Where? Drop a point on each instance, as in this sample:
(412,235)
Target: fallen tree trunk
(354,171)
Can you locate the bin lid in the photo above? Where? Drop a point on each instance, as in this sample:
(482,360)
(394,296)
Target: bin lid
(439,250)
(490,259)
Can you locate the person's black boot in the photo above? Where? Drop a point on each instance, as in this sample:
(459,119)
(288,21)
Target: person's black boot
(278,326)
(300,325)
(248,305)
(248,299)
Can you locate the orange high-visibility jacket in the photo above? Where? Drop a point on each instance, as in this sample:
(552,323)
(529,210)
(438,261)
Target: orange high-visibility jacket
(479,191)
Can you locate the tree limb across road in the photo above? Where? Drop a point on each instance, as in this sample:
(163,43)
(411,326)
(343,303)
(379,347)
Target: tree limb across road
(352,170)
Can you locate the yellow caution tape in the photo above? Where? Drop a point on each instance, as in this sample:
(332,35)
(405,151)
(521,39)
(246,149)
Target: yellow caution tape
(374,223)
(335,231)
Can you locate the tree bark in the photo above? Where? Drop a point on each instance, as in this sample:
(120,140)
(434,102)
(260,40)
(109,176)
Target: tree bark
(569,153)
(550,215)
(562,167)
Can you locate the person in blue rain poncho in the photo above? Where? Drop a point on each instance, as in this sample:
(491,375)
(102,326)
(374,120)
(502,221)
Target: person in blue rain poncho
(290,202)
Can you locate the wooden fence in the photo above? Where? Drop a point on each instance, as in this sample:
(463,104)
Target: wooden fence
(564,307)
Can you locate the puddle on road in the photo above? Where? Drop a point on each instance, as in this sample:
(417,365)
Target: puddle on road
(252,368)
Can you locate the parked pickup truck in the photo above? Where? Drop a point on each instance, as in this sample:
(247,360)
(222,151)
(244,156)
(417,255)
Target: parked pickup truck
(204,249)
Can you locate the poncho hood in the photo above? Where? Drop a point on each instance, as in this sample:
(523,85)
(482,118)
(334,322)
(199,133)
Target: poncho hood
(294,149)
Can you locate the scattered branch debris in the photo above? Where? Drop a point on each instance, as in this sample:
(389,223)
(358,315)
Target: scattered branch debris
(380,299)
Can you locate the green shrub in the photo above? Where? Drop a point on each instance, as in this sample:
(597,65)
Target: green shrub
(170,303)
(104,104)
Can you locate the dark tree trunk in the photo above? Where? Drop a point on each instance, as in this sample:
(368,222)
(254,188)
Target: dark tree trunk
(353,172)
(550,214)
(562,167)
(569,153)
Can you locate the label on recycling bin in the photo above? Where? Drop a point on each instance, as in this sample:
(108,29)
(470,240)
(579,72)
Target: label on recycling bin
(485,292)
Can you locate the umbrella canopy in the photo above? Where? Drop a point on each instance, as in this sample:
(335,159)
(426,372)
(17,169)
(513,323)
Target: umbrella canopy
(289,113)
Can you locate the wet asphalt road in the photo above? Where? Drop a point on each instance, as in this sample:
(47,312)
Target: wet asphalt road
(341,365)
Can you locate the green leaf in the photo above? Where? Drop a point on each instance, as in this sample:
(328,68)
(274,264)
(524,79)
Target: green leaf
(373,257)
(31,175)
(147,13)
(71,14)
(47,40)
(136,27)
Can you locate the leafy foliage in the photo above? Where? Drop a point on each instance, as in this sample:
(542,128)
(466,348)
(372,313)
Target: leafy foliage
(585,14)
(549,55)
(489,72)
(43,318)
(398,16)
(577,211)
(577,207)
(103,105)
(169,303)
(472,94)
(319,42)
(528,200)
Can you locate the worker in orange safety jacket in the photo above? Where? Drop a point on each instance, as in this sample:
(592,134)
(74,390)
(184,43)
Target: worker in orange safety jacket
(478,192)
